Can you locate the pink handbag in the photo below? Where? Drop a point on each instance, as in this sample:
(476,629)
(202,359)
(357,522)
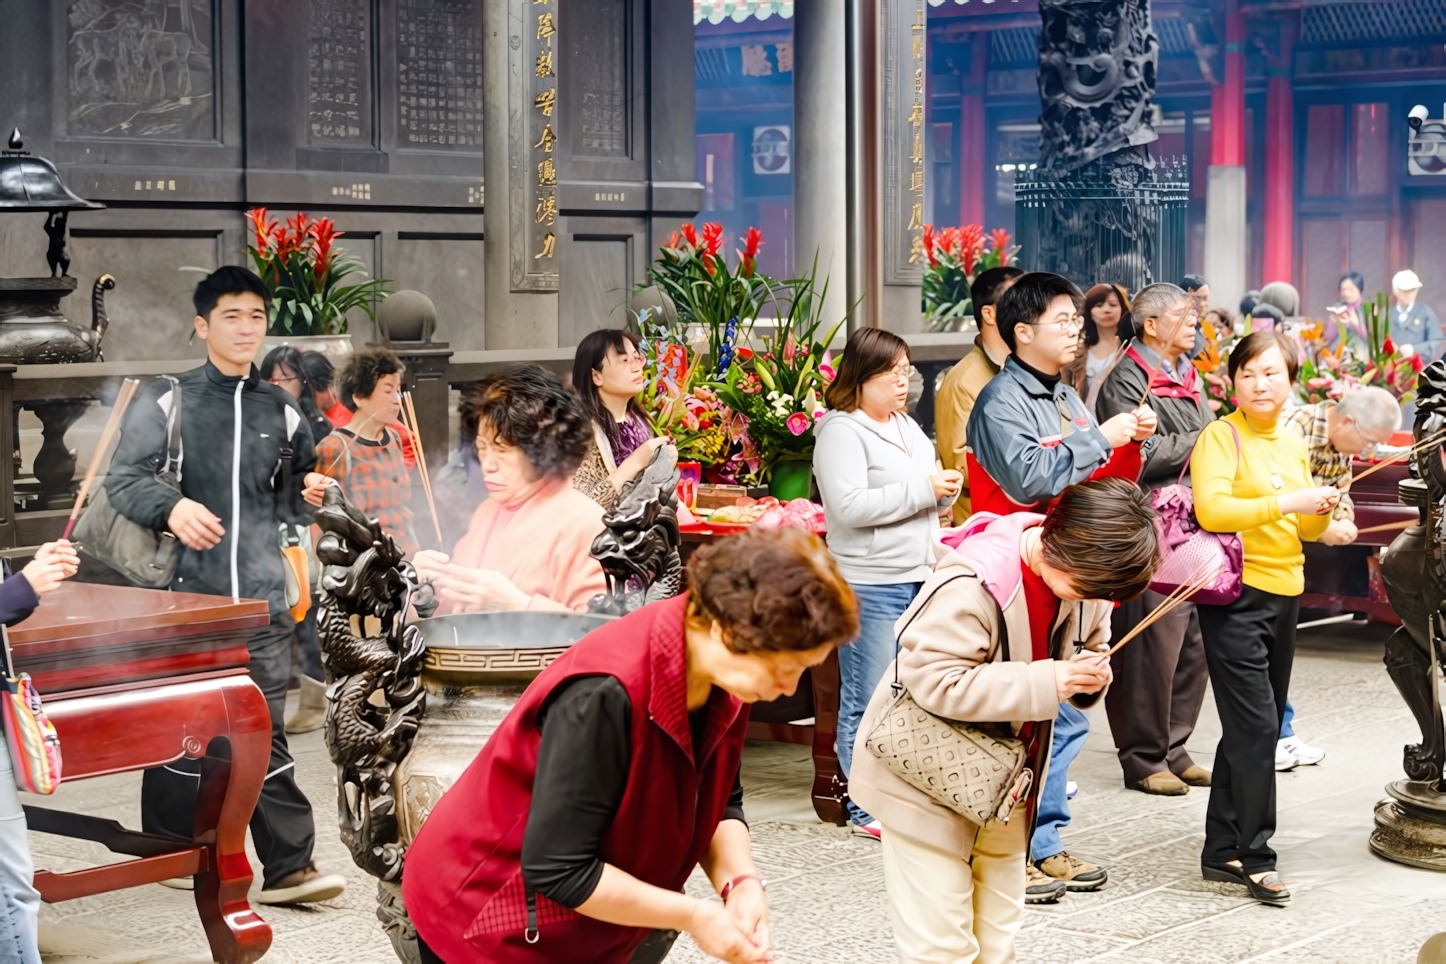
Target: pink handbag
(1187,548)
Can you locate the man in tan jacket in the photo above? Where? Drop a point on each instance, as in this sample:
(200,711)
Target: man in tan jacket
(1014,621)
(963,383)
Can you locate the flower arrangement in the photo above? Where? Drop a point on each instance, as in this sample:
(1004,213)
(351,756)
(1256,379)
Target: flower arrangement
(955,257)
(679,401)
(303,269)
(1328,373)
(1211,364)
(694,275)
(780,389)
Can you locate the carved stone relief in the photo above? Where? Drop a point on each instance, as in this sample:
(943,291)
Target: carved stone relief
(339,72)
(140,68)
(439,74)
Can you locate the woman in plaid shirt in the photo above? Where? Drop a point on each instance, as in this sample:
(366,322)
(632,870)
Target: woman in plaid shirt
(366,456)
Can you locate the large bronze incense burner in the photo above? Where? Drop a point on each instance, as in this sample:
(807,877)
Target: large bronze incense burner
(412,701)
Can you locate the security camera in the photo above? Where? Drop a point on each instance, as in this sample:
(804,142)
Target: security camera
(1417,117)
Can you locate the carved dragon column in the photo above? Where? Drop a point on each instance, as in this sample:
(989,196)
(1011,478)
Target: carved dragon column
(410,704)
(1411,823)
(1093,209)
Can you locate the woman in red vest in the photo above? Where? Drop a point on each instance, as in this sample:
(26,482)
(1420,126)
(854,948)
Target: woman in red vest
(570,836)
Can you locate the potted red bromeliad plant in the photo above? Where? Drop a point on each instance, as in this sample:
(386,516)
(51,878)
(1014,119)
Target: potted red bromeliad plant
(306,271)
(700,289)
(954,258)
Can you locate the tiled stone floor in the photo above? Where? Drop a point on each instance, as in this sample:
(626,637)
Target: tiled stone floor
(826,888)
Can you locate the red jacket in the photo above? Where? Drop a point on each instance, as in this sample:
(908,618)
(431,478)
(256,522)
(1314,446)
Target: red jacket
(463,883)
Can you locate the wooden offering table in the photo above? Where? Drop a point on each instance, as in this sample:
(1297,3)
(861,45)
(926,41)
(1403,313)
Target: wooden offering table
(135,678)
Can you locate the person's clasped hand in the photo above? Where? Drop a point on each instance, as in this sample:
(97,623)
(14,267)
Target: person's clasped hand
(1123,428)
(718,934)
(1074,676)
(315,487)
(474,590)
(1317,500)
(947,483)
(1147,420)
(54,563)
(1341,532)
(748,903)
(196,526)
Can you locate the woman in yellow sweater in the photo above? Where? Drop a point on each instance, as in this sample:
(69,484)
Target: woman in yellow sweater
(1253,477)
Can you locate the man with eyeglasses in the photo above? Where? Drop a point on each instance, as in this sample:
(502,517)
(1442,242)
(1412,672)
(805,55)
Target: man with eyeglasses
(1030,438)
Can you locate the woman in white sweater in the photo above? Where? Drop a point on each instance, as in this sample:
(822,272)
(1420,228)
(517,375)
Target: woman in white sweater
(882,494)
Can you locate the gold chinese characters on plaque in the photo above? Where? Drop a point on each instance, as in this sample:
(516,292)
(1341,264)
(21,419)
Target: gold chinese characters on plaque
(544,102)
(916,141)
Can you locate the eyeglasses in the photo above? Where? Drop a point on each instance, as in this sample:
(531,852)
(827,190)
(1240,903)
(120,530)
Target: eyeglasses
(1075,322)
(901,373)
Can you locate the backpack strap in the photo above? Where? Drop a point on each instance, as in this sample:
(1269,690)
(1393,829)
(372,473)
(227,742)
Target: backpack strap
(172,464)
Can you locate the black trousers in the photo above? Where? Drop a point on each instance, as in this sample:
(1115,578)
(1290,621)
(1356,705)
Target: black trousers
(281,825)
(1249,647)
(1159,686)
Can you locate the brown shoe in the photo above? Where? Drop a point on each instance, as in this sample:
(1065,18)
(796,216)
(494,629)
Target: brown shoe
(1040,888)
(1077,874)
(1196,775)
(1163,784)
(304,886)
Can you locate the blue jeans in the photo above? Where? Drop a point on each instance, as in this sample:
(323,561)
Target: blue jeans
(1286,730)
(19,900)
(864,661)
(1070,730)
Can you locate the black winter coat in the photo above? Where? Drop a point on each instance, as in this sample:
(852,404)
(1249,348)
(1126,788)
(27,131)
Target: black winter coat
(1181,419)
(245,493)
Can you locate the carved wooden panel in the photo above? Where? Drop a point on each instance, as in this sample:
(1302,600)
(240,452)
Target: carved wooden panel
(340,98)
(599,282)
(536,37)
(596,78)
(439,74)
(448,268)
(903,59)
(140,69)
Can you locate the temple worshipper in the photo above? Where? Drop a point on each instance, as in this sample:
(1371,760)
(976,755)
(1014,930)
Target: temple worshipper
(570,836)
(1009,627)
(365,455)
(1159,682)
(962,384)
(1031,436)
(529,546)
(607,374)
(20,594)
(1334,434)
(283,367)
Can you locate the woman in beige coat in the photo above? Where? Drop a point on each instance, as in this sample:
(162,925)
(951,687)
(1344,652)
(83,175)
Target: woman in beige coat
(1013,621)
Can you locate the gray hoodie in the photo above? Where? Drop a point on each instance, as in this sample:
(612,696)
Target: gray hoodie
(882,516)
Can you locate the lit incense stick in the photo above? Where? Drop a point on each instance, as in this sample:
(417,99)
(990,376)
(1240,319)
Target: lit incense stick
(112,427)
(411,417)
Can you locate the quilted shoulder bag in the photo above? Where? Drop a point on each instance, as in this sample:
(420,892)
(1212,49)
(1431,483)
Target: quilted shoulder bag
(34,745)
(976,770)
(1186,548)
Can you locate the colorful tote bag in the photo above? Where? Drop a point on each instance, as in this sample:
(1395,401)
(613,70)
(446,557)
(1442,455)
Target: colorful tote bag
(34,744)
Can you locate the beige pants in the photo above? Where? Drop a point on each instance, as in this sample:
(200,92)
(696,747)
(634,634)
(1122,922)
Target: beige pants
(951,908)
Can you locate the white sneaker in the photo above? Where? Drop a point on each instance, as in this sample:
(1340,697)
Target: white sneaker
(873,829)
(1284,759)
(1304,755)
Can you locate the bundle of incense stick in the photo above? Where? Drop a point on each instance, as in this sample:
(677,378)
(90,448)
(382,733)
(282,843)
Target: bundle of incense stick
(1433,439)
(410,417)
(112,427)
(1199,580)
(1406,524)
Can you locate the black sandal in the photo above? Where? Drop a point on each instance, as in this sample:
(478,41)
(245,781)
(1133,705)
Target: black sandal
(1230,872)
(1264,894)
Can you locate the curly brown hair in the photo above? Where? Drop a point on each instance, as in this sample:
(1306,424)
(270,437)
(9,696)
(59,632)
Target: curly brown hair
(362,371)
(775,591)
(526,406)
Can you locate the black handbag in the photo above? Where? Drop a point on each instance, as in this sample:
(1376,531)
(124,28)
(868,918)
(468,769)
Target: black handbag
(144,556)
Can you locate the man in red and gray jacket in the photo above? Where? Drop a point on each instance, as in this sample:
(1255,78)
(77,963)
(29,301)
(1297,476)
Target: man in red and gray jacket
(1030,438)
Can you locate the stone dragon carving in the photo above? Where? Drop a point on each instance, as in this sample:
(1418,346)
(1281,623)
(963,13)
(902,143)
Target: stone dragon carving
(638,548)
(1411,825)
(373,662)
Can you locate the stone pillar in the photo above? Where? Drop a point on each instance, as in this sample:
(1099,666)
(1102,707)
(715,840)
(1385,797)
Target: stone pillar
(515,318)
(1226,233)
(865,276)
(820,121)
(1279,260)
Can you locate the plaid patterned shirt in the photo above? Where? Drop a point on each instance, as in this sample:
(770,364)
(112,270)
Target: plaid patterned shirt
(375,478)
(1327,466)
